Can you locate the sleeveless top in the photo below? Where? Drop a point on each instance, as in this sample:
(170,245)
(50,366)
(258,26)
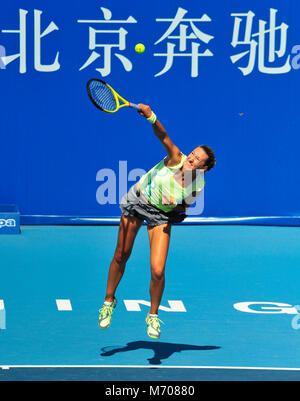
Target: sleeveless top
(160,187)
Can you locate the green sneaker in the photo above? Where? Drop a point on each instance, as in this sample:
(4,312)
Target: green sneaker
(106,315)
(153,329)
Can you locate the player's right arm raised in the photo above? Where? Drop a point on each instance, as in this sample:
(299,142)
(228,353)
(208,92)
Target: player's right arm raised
(174,154)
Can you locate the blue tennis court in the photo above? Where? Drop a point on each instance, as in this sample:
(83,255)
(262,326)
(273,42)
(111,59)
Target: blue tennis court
(52,285)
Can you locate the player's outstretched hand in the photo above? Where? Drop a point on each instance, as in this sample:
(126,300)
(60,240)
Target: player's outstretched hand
(145,110)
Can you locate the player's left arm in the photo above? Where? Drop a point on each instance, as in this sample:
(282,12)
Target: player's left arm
(174,154)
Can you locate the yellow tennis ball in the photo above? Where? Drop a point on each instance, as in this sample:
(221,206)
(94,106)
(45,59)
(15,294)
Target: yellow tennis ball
(140,48)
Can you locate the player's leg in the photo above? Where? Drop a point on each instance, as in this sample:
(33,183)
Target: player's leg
(159,238)
(128,229)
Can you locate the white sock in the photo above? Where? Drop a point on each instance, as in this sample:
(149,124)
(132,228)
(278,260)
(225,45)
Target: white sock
(108,303)
(152,315)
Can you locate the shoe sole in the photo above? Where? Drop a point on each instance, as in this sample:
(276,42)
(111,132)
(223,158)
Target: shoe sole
(154,338)
(103,328)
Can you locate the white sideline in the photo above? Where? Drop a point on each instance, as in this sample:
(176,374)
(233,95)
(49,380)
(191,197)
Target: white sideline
(7,367)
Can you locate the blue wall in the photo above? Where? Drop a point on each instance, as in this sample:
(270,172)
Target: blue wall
(54,141)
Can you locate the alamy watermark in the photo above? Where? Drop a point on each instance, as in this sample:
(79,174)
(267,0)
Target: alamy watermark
(114,186)
(296,319)
(2,54)
(296,59)
(2,316)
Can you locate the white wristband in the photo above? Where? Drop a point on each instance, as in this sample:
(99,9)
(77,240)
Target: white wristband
(152,119)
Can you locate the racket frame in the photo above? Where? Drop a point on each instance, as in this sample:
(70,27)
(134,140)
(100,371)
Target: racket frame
(116,96)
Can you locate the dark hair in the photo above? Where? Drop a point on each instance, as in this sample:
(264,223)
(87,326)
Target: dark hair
(211,161)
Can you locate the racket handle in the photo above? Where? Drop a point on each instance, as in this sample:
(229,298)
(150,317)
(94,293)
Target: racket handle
(135,106)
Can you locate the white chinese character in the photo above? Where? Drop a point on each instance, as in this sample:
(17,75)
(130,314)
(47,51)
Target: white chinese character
(107,48)
(183,37)
(261,36)
(37,44)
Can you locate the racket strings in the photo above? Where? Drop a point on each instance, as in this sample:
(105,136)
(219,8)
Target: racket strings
(103,96)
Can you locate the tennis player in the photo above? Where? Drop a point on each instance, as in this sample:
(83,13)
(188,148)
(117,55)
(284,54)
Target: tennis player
(160,198)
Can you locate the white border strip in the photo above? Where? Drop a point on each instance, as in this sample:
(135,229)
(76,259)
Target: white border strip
(189,219)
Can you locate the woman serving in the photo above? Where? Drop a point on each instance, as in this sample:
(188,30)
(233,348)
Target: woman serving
(160,198)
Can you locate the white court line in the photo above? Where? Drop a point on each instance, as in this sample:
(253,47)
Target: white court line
(5,367)
(63,304)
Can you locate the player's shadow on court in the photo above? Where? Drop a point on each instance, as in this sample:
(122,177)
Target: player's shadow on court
(161,350)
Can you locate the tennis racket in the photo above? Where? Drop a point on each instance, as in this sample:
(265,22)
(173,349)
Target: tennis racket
(105,98)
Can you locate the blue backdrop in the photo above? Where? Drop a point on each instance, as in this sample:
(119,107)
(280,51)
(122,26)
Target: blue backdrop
(54,142)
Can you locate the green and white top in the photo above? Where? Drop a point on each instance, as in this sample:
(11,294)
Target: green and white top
(162,190)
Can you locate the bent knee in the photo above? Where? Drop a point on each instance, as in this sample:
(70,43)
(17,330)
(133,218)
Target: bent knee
(158,273)
(121,256)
